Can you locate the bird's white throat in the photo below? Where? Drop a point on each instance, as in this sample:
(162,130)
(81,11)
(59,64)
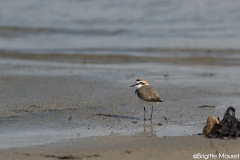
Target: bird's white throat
(139,85)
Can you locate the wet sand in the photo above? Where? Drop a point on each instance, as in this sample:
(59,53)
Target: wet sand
(128,147)
(50,109)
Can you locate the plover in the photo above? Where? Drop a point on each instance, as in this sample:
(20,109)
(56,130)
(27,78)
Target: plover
(146,94)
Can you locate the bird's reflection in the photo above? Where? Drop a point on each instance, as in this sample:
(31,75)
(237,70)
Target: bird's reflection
(148,129)
(145,126)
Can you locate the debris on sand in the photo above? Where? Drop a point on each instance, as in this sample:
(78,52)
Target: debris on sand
(229,126)
(211,122)
(35,106)
(207,106)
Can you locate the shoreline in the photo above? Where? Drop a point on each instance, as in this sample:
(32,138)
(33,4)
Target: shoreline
(177,56)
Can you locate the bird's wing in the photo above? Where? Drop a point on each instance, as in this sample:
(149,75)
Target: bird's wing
(148,94)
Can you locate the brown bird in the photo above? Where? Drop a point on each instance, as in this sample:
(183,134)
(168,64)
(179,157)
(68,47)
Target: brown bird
(146,94)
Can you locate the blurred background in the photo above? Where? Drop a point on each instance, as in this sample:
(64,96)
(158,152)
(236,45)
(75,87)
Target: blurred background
(118,26)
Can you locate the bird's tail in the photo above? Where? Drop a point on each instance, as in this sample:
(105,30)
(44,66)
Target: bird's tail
(159,99)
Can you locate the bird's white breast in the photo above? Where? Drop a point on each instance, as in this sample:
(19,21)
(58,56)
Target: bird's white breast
(147,102)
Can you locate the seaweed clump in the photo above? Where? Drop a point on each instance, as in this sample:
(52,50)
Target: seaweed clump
(229,126)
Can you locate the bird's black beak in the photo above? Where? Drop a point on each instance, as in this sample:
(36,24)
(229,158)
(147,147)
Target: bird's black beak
(132,85)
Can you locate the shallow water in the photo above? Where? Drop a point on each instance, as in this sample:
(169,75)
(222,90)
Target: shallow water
(116,27)
(33,137)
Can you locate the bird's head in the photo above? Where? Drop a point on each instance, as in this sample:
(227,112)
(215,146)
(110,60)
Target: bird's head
(139,83)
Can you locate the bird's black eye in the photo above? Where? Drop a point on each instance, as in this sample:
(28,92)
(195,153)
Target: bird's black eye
(140,83)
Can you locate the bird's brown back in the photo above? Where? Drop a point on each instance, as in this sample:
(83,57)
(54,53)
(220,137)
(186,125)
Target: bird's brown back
(147,93)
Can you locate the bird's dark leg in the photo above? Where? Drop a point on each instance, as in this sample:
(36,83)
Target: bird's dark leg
(151,113)
(144,114)
(151,126)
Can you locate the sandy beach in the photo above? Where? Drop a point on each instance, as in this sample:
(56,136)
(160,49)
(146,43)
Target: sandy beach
(63,109)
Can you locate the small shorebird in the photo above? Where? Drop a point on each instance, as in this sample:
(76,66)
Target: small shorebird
(146,94)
